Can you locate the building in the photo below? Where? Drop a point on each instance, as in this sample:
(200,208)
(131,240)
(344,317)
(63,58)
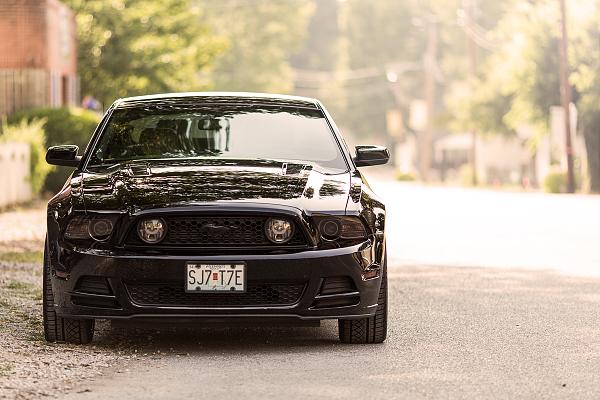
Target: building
(38,55)
(500,160)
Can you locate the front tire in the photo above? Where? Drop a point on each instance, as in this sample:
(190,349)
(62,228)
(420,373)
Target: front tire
(58,329)
(372,329)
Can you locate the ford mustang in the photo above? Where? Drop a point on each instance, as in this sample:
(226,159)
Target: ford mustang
(204,207)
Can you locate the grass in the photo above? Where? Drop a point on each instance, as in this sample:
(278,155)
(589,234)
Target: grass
(33,321)
(25,290)
(29,257)
(404,177)
(36,333)
(18,286)
(6,368)
(22,292)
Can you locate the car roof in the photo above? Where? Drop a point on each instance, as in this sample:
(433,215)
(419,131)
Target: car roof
(217,97)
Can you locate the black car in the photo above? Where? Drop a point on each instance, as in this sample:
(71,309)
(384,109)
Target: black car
(228,207)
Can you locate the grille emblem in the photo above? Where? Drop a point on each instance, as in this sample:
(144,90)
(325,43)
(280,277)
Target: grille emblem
(210,227)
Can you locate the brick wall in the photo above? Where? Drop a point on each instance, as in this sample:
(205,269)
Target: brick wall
(23,32)
(37,35)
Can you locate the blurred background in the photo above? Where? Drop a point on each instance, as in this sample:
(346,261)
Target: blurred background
(490,108)
(464,92)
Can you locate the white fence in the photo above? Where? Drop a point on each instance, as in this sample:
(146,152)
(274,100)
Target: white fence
(14,174)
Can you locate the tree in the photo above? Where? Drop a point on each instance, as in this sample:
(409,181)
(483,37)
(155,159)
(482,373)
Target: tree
(586,79)
(260,37)
(391,36)
(133,47)
(521,79)
(319,51)
(375,34)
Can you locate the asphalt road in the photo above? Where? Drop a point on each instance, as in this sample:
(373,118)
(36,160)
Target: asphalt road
(518,325)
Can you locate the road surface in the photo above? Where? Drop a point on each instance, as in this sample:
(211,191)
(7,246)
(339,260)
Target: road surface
(493,295)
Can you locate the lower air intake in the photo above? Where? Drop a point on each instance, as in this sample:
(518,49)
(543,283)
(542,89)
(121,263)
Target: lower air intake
(257,294)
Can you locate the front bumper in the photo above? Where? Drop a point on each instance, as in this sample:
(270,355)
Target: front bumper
(311,268)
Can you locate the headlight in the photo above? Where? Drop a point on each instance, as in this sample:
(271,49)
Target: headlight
(84,228)
(330,229)
(78,228)
(279,230)
(353,228)
(333,228)
(152,230)
(100,229)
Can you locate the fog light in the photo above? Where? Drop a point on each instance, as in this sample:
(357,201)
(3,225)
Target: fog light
(152,230)
(279,230)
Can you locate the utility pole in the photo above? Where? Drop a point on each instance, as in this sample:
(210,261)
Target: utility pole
(565,96)
(430,60)
(470,9)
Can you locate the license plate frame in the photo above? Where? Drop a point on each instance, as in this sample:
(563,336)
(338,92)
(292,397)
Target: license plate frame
(215,268)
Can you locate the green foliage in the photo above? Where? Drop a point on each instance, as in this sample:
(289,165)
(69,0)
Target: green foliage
(320,50)
(375,34)
(518,81)
(260,38)
(405,177)
(555,182)
(480,107)
(65,125)
(133,47)
(536,81)
(465,174)
(389,35)
(22,257)
(32,133)
(6,368)
(62,126)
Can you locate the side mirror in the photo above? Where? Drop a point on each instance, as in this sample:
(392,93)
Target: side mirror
(371,155)
(65,156)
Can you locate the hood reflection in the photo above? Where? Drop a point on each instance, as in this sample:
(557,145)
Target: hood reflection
(188,183)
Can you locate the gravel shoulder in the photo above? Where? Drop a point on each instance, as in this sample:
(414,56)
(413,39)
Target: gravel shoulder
(29,367)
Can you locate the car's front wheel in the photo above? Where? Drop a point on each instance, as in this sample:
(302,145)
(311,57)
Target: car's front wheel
(58,329)
(372,329)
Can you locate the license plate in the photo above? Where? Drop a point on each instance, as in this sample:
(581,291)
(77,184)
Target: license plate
(216,277)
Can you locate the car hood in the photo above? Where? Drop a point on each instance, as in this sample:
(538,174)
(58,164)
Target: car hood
(141,186)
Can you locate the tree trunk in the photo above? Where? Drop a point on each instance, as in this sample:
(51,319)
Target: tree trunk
(592,144)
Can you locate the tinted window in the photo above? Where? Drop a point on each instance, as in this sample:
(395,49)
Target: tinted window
(253,132)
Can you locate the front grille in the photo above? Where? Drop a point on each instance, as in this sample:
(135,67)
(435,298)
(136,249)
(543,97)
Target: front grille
(257,294)
(221,231)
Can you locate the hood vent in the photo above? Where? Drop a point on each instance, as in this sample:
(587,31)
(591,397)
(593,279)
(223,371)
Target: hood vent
(295,169)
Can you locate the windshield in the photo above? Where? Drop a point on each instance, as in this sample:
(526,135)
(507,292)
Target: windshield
(250,132)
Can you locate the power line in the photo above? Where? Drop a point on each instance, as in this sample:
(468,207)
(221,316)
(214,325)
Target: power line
(304,75)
